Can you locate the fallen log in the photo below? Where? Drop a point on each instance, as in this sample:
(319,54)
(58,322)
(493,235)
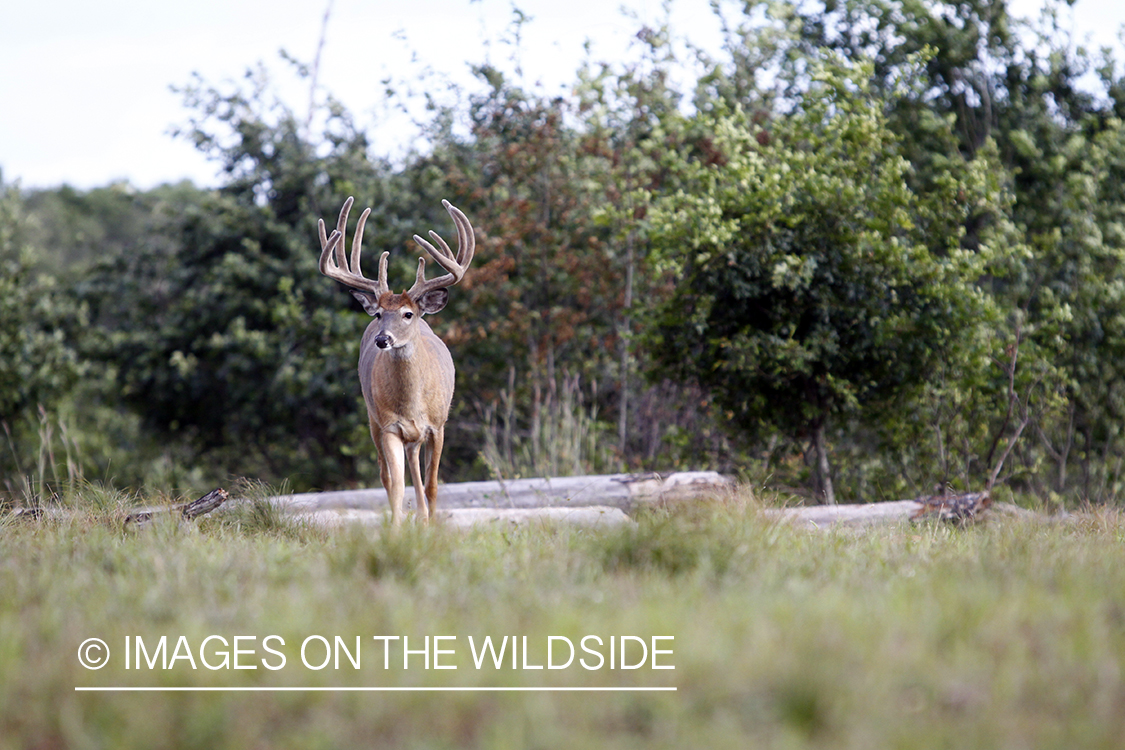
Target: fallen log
(870,514)
(622,491)
(586,516)
(188,511)
(958,509)
(625,492)
(586,501)
(33,513)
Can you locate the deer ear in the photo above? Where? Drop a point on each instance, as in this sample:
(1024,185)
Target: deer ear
(433,301)
(370,304)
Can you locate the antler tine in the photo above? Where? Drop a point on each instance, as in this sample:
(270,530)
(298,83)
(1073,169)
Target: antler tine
(357,242)
(383,272)
(444,257)
(333,259)
(341,227)
(328,245)
(442,247)
(466,240)
(342,222)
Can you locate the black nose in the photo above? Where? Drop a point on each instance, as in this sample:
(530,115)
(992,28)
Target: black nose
(382,341)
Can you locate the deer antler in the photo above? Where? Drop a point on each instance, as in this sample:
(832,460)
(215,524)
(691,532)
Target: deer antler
(334,264)
(443,256)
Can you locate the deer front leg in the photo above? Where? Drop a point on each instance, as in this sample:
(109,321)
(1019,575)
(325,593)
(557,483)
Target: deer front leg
(391,472)
(436,441)
(413,451)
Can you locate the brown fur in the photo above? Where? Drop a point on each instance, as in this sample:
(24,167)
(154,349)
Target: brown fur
(405,370)
(408,388)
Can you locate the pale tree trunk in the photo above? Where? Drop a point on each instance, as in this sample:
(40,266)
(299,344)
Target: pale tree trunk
(823,470)
(1064,454)
(624,335)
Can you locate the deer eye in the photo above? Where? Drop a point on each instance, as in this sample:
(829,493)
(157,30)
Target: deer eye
(378,316)
(408,315)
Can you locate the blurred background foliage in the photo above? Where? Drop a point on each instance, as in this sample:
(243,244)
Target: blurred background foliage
(876,247)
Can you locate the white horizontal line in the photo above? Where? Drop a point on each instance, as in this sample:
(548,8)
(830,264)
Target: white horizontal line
(112,689)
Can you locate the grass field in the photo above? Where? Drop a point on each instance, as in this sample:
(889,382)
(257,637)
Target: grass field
(1010,634)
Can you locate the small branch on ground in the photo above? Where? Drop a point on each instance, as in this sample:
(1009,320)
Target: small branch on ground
(953,508)
(189,511)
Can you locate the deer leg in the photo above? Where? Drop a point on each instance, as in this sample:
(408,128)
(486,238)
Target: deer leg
(381,456)
(436,440)
(391,472)
(413,451)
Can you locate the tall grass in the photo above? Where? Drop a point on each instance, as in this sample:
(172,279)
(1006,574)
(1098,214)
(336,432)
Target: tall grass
(1010,634)
(562,437)
(57,469)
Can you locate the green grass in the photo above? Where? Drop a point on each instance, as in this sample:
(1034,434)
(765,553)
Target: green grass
(1008,634)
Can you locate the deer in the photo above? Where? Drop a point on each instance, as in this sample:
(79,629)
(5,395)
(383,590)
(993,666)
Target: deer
(406,372)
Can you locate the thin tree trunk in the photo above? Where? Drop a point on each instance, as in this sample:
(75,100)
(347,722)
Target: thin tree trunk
(536,404)
(823,470)
(509,398)
(1065,453)
(943,464)
(314,77)
(1062,455)
(623,336)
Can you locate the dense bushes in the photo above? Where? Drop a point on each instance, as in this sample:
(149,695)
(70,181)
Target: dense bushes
(884,241)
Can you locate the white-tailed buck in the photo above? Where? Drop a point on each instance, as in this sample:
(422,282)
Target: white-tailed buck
(405,370)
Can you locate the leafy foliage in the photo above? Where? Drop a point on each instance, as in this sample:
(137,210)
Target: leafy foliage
(37,364)
(807,289)
(225,336)
(40,367)
(891,229)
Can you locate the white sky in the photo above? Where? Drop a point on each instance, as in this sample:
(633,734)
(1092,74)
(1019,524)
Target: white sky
(84,84)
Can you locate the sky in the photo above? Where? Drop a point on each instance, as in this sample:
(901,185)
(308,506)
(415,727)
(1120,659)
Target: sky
(85,86)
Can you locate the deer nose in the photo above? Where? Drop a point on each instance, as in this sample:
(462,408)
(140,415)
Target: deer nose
(382,341)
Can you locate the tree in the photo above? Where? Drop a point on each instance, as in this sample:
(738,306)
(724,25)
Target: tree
(629,120)
(224,335)
(1049,108)
(807,288)
(37,364)
(537,313)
